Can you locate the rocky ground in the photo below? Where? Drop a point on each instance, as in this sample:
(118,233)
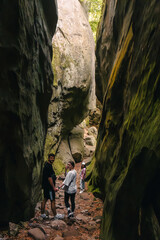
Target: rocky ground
(84,226)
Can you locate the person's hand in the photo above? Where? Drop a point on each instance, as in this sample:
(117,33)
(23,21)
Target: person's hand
(56,189)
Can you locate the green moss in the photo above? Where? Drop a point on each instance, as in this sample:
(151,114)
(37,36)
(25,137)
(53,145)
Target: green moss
(142,122)
(60,62)
(58,165)
(90,168)
(92,175)
(56,60)
(120,56)
(87,121)
(48,148)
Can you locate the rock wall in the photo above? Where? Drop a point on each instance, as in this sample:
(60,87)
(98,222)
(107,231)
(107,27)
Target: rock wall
(125,170)
(26,77)
(74,67)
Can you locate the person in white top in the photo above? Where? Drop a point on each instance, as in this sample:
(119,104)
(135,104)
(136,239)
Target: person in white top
(70,188)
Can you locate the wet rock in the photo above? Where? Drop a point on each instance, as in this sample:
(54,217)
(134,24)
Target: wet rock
(37,234)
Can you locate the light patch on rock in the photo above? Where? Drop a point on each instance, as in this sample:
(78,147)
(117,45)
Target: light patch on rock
(58,224)
(90,140)
(93,131)
(37,234)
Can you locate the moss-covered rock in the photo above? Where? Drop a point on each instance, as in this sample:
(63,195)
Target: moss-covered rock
(127,165)
(26,78)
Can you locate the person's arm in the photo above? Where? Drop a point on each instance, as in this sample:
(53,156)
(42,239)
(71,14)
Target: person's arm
(61,185)
(66,181)
(52,184)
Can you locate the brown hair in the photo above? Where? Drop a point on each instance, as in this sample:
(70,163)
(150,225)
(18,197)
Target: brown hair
(72,163)
(51,155)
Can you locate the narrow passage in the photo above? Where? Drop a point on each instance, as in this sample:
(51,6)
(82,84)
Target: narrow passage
(84,226)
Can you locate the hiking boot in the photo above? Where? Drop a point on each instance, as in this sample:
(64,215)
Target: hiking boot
(59,216)
(43,215)
(70,215)
(81,191)
(69,210)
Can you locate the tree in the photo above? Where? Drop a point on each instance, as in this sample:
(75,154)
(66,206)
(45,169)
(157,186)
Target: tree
(95,7)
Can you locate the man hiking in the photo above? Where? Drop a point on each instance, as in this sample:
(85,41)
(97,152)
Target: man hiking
(48,185)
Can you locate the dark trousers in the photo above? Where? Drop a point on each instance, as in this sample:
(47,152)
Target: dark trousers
(68,196)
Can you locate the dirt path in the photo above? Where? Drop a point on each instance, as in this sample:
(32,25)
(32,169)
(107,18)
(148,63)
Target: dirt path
(84,226)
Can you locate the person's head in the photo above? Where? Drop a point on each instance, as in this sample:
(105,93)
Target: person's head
(83,165)
(51,158)
(70,165)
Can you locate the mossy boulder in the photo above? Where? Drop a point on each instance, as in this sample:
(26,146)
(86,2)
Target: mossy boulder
(127,159)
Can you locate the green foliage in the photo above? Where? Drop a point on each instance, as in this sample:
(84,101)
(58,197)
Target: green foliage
(94,14)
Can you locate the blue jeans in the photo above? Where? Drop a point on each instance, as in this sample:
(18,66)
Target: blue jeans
(82,184)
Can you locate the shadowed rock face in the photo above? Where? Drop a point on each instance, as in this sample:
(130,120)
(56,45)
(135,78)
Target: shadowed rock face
(26,30)
(127,159)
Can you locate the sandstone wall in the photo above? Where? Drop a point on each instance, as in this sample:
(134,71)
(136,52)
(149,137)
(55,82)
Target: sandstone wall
(74,67)
(125,170)
(26,30)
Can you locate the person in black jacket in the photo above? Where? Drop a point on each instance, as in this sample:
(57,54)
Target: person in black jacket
(48,185)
